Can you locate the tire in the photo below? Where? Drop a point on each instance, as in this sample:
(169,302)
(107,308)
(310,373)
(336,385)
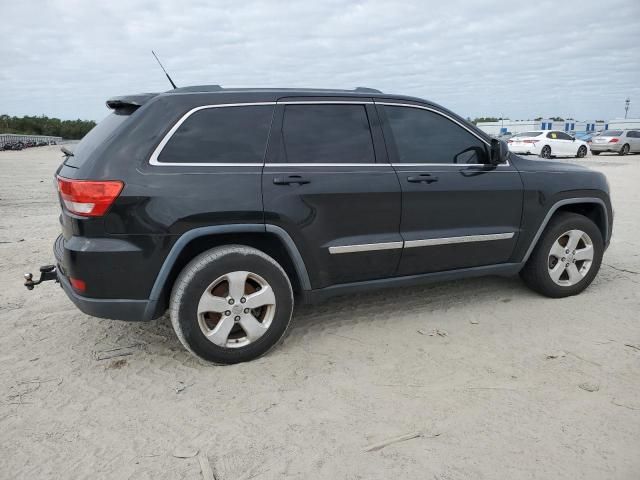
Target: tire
(210,282)
(582,152)
(545,152)
(537,272)
(594,153)
(624,150)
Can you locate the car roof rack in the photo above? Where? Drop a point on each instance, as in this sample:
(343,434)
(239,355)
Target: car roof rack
(366,90)
(197,88)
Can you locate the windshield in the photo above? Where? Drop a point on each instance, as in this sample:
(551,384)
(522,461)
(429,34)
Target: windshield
(611,133)
(98,134)
(527,134)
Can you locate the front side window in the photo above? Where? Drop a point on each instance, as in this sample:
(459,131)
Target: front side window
(221,135)
(564,136)
(327,134)
(422,136)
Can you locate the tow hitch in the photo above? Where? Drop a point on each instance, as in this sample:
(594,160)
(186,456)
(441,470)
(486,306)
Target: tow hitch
(47,272)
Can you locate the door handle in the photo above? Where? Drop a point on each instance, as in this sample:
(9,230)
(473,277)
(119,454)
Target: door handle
(422,178)
(290,179)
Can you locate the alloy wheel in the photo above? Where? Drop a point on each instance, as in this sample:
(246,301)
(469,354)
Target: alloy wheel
(546,152)
(236,309)
(570,258)
(582,151)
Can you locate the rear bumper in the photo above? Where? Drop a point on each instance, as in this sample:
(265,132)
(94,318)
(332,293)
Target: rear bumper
(112,308)
(606,147)
(526,149)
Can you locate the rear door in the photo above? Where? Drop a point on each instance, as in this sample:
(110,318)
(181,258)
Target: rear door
(633,137)
(328,183)
(457,210)
(567,144)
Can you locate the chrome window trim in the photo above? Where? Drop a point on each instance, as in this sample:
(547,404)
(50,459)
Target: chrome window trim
(153,160)
(426,242)
(275,164)
(429,242)
(365,247)
(327,102)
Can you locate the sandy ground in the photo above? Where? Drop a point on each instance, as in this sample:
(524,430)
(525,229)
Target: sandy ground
(486,398)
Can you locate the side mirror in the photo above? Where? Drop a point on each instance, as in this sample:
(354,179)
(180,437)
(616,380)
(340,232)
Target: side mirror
(499,152)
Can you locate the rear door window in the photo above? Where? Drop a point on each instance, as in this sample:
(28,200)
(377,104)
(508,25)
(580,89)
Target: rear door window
(327,134)
(233,135)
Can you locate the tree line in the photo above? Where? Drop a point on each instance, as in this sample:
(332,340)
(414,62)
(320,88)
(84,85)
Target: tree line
(43,125)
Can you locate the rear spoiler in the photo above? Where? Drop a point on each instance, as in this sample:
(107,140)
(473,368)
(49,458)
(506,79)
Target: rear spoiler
(130,101)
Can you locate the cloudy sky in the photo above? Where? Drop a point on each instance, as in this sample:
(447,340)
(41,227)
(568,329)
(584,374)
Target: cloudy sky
(518,59)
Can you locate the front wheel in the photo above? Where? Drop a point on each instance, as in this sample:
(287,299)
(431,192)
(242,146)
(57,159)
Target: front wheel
(545,152)
(231,304)
(567,257)
(582,152)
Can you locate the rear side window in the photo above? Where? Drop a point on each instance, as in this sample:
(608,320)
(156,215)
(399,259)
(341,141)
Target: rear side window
(327,134)
(221,135)
(422,136)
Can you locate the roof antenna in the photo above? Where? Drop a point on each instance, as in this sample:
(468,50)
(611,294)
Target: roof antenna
(165,72)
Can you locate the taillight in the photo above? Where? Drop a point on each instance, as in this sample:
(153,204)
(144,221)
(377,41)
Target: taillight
(88,198)
(614,140)
(531,141)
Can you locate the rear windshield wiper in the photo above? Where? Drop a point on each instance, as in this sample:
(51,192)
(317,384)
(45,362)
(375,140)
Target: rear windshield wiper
(66,151)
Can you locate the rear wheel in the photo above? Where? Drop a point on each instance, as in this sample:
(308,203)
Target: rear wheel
(624,150)
(567,257)
(582,152)
(231,304)
(545,152)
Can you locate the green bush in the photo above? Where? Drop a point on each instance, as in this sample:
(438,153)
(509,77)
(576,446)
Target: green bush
(71,129)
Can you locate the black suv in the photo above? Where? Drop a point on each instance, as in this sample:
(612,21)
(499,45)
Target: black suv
(225,205)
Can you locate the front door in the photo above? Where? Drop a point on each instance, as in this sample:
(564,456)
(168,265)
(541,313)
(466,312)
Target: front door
(457,210)
(328,183)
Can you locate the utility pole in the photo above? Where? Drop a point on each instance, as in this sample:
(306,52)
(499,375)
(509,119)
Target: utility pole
(626,106)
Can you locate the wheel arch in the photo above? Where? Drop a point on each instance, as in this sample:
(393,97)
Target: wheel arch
(270,239)
(591,207)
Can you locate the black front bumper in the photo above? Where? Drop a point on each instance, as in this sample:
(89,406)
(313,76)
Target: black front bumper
(112,308)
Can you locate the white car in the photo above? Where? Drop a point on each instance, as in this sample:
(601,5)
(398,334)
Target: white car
(547,144)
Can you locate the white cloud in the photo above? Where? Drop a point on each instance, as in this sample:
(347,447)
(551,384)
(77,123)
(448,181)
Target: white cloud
(64,58)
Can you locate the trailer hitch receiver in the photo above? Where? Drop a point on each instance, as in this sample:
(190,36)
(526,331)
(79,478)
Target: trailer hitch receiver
(47,272)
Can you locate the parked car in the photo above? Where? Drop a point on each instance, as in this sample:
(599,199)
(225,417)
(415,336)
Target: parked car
(584,136)
(618,141)
(547,144)
(225,207)
(505,136)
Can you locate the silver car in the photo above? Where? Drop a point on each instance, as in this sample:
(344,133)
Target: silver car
(618,141)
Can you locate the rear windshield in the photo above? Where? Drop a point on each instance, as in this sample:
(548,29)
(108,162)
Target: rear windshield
(611,133)
(527,134)
(98,134)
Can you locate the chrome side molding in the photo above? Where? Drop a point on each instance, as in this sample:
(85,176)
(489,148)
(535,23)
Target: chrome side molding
(426,242)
